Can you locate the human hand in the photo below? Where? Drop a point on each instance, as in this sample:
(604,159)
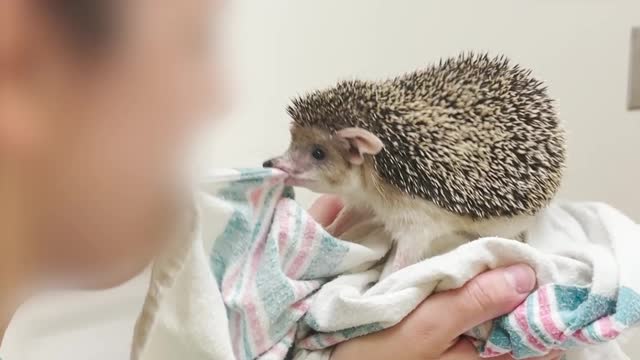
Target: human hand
(326,209)
(433,331)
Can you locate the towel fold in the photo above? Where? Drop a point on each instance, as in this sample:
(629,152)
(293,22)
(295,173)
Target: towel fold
(261,279)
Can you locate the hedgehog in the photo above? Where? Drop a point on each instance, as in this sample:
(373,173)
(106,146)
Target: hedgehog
(466,148)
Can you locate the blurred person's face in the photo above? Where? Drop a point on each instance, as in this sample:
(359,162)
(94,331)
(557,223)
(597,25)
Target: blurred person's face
(118,120)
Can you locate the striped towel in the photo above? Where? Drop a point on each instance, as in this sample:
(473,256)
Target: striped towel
(291,290)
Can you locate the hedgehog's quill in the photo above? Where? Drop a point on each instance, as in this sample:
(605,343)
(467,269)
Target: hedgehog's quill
(467,148)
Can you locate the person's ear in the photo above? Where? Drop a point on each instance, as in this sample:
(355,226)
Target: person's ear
(361,142)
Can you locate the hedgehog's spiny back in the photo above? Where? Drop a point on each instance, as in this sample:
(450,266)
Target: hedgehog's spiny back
(474,134)
(345,105)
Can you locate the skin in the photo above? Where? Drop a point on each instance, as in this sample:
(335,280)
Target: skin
(91,149)
(93,141)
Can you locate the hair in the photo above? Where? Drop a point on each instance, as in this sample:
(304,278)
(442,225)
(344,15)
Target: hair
(86,23)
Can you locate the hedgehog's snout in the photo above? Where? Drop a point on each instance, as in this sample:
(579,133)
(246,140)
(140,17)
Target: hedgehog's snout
(281,163)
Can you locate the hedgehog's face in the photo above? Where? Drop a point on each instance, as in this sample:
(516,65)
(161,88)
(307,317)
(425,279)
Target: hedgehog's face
(325,162)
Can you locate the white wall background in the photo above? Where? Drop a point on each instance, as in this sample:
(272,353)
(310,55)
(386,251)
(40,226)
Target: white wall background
(279,48)
(579,47)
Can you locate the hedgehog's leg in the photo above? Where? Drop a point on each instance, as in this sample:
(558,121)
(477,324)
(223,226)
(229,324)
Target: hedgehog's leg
(421,240)
(405,256)
(400,257)
(448,242)
(412,245)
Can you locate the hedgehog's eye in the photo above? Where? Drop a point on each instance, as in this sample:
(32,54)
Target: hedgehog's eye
(318,152)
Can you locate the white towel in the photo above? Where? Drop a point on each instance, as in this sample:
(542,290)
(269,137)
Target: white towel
(260,279)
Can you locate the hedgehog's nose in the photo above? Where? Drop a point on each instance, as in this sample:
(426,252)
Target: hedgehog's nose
(268,164)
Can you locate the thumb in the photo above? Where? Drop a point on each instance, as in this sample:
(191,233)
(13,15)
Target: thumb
(487,296)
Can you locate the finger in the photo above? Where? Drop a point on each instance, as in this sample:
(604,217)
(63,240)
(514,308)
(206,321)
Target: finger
(325,209)
(464,350)
(450,314)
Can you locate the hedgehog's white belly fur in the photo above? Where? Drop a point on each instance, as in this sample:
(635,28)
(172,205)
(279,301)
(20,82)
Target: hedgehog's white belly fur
(421,229)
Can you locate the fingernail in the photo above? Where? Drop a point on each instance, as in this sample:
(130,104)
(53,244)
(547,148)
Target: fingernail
(521,277)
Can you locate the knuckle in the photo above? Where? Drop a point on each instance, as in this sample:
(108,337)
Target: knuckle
(479,296)
(419,336)
(415,343)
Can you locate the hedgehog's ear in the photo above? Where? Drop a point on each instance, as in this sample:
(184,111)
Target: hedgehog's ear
(360,142)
